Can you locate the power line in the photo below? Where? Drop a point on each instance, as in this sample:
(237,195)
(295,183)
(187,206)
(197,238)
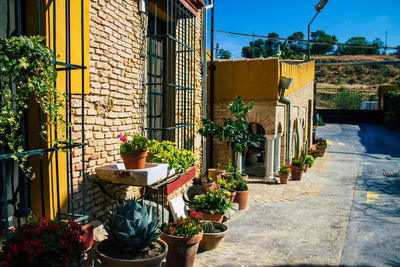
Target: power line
(303,41)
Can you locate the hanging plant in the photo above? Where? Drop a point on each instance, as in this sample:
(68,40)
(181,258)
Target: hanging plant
(27,70)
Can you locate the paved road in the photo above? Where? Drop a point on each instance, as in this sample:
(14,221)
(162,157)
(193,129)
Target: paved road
(373,235)
(353,222)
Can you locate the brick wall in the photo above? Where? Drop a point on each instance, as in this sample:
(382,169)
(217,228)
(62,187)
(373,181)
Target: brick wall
(117,98)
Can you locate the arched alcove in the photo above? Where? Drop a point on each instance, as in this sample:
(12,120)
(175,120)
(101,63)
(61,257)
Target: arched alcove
(255,157)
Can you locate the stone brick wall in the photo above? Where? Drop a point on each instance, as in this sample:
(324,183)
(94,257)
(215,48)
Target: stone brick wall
(117,98)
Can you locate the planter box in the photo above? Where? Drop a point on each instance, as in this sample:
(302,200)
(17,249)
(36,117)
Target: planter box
(152,173)
(183,179)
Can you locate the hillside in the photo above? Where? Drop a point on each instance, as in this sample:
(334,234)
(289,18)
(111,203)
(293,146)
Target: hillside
(356,76)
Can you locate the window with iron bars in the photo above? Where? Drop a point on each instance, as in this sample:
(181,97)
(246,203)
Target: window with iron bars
(171,73)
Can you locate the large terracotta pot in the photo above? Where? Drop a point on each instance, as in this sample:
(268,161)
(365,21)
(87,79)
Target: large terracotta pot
(213,173)
(107,261)
(241,198)
(181,250)
(296,172)
(283,177)
(134,160)
(211,240)
(320,149)
(208,216)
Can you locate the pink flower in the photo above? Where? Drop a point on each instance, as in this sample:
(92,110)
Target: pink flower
(213,188)
(123,139)
(120,135)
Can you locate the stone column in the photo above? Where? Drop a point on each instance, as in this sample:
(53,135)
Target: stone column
(269,156)
(277,152)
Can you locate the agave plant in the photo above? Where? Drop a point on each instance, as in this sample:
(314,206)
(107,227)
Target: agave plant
(133,226)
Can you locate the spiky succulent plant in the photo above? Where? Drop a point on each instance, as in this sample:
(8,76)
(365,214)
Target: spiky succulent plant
(133,226)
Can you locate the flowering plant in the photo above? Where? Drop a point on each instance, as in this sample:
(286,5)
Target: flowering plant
(42,241)
(285,169)
(297,163)
(132,144)
(321,142)
(185,227)
(314,153)
(215,200)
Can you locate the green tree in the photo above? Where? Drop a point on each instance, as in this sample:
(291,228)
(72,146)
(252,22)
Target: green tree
(272,46)
(377,44)
(298,48)
(223,54)
(322,37)
(261,48)
(351,50)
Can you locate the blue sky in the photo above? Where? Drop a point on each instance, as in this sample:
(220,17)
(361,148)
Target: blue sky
(343,18)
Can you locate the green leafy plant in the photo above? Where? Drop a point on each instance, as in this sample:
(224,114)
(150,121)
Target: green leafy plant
(226,184)
(242,185)
(321,142)
(314,153)
(28,70)
(133,226)
(185,227)
(309,160)
(44,242)
(166,152)
(215,200)
(132,144)
(234,131)
(285,169)
(297,163)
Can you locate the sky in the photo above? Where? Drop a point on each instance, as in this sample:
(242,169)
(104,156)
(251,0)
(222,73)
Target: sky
(343,18)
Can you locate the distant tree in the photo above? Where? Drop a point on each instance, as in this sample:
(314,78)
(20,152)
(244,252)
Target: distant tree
(354,41)
(254,50)
(221,53)
(377,43)
(298,48)
(284,51)
(261,48)
(323,37)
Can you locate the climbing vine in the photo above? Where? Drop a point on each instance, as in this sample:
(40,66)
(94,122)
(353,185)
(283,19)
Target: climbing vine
(27,70)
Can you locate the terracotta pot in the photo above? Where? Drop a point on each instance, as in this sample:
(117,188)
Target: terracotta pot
(241,198)
(245,176)
(296,172)
(107,261)
(134,160)
(213,173)
(211,240)
(208,216)
(181,250)
(232,196)
(320,149)
(283,177)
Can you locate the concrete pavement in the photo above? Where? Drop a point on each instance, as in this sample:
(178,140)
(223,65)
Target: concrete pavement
(333,227)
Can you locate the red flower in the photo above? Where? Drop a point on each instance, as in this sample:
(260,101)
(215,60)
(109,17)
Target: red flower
(213,188)
(194,215)
(123,139)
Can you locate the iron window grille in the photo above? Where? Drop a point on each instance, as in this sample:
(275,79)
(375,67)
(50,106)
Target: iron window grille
(171,61)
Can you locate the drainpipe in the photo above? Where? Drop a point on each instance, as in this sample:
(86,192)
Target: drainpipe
(212,69)
(204,40)
(286,101)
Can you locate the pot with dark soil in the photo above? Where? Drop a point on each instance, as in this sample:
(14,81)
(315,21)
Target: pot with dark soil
(132,237)
(213,234)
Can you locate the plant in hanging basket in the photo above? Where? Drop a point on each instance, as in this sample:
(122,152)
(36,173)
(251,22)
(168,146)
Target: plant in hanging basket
(28,71)
(132,236)
(133,150)
(42,241)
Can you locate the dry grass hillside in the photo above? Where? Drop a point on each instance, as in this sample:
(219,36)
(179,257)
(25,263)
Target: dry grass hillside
(357,76)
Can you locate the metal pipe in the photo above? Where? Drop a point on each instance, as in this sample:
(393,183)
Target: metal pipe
(286,101)
(308,36)
(212,69)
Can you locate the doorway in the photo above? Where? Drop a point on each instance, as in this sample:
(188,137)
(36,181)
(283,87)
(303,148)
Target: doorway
(254,164)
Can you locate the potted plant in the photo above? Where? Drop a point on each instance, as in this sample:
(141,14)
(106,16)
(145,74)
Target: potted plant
(213,173)
(213,204)
(166,152)
(300,154)
(207,182)
(183,237)
(227,183)
(309,161)
(321,145)
(133,150)
(234,132)
(284,173)
(213,232)
(43,241)
(297,168)
(314,153)
(132,237)
(242,194)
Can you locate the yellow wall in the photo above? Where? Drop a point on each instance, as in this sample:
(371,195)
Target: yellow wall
(301,73)
(250,79)
(257,78)
(49,160)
